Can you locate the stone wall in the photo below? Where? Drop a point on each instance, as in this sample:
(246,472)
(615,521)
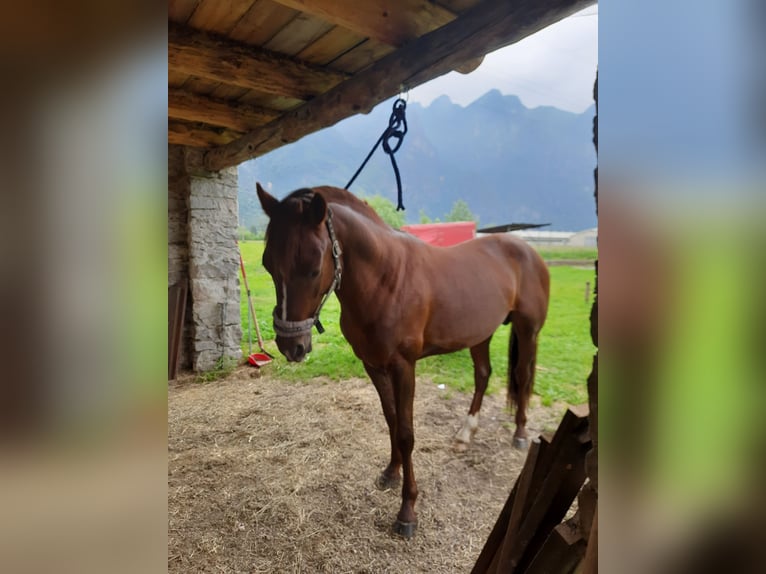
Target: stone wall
(214,268)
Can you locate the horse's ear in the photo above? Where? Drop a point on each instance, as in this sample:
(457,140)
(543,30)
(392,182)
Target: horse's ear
(317,209)
(269,203)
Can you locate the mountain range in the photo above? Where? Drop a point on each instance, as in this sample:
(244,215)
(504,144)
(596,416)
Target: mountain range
(509,163)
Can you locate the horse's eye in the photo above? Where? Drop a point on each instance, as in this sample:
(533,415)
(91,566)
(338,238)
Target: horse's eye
(315,273)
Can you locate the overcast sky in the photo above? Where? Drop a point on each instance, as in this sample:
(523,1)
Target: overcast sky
(555,67)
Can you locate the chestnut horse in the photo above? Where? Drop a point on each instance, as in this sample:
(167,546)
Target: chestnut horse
(401,300)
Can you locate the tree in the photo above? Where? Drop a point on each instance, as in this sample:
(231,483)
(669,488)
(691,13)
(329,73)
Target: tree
(244,234)
(424,217)
(461,212)
(386,210)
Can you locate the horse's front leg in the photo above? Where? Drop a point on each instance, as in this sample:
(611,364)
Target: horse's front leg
(390,476)
(403,377)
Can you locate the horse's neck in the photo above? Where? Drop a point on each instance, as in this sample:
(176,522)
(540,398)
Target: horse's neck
(368,251)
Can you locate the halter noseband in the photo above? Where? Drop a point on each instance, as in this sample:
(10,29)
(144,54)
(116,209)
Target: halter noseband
(287,329)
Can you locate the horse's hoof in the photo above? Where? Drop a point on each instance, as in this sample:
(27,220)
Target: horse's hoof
(459,446)
(405,529)
(520,443)
(384,482)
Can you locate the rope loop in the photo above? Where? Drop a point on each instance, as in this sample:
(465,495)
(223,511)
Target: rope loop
(396,130)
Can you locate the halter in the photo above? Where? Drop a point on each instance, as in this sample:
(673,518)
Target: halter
(287,329)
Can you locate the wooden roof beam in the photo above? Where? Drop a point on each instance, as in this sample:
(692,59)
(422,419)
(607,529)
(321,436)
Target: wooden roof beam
(482,29)
(193,135)
(239,117)
(221,60)
(388,22)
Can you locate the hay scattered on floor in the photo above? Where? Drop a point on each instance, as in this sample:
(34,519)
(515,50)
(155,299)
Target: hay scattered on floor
(274,476)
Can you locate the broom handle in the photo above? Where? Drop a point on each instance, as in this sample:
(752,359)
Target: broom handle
(250,304)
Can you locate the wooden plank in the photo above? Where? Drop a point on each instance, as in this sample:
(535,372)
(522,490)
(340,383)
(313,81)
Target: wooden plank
(587,500)
(264,19)
(387,22)
(296,35)
(522,498)
(589,564)
(218,59)
(195,108)
(361,56)
(555,496)
(182,133)
(227,92)
(335,43)
(180,11)
(176,80)
(561,553)
(482,29)
(574,421)
(219,15)
(200,86)
(520,503)
(496,538)
(176,316)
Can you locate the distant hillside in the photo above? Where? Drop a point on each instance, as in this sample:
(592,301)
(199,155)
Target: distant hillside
(508,162)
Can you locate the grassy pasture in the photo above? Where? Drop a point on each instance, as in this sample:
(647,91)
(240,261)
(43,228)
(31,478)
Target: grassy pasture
(564,356)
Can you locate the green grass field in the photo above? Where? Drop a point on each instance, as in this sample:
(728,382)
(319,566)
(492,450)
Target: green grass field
(565,351)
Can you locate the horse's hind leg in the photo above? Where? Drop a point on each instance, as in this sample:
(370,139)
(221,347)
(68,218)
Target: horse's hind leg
(523,373)
(482,369)
(390,477)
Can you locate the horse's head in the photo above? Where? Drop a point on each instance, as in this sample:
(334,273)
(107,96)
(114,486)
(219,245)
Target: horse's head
(299,256)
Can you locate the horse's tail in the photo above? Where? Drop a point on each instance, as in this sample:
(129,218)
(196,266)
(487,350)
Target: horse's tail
(513,360)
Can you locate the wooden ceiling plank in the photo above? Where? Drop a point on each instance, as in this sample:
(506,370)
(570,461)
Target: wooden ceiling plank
(299,33)
(239,117)
(361,56)
(486,27)
(176,80)
(393,23)
(262,22)
(328,47)
(219,16)
(228,92)
(200,86)
(186,134)
(219,59)
(180,11)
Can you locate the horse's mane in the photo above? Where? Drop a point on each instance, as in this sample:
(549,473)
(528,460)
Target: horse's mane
(335,195)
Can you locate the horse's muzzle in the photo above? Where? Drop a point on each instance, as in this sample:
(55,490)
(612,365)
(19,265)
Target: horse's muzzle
(294,349)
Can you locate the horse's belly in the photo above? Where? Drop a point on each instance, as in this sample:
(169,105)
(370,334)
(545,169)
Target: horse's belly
(454,330)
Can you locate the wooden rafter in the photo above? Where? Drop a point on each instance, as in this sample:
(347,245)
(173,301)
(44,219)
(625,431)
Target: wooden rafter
(376,18)
(220,60)
(193,135)
(486,27)
(239,117)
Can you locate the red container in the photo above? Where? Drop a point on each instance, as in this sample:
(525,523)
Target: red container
(443,234)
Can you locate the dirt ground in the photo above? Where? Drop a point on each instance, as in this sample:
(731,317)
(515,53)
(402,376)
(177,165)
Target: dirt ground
(273,476)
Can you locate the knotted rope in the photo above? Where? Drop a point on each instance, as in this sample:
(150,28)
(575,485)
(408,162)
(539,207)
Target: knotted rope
(396,130)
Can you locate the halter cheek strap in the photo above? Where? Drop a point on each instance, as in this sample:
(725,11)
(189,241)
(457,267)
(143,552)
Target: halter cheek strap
(288,329)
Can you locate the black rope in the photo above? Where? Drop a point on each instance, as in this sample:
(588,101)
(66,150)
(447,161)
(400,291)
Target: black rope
(397,128)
